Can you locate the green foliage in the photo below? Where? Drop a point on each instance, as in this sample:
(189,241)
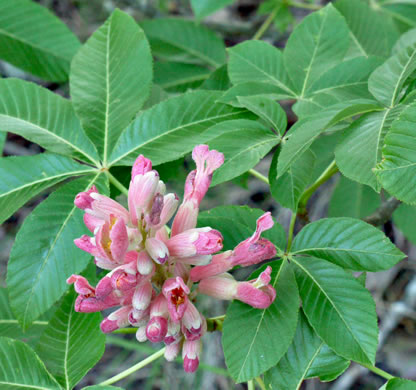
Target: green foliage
(204,8)
(247,331)
(45,52)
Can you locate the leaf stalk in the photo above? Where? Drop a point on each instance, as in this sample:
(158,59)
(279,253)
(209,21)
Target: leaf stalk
(116,183)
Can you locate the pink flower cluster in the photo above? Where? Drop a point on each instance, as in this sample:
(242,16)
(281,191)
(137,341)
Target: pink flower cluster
(153,271)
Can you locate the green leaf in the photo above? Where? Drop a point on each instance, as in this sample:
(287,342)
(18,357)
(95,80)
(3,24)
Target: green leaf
(345,81)
(218,80)
(327,365)
(184,41)
(249,347)
(45,52)
(320,41)
(43,117)
(397,171)
(26,176)
(157,95)
(3,137)
(44,255)
(405,40)
(400,384)
(243,142)
(307,130)
(177,77)
(404,15)
(386,82)
(236,223)
(204,8)
(404,218)
(352,199)
(258,61)
(303,357)
(9,326)
(20,368)
(172,128)
(360,150)
(267,109)
(254,89)
(68,334)
(110,79)
(287,189)
(371,31)
(349,243)
(98,387)
(329,298)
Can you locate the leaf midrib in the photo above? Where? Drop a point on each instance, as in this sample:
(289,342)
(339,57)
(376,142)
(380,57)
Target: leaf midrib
(395,91)
(332,304)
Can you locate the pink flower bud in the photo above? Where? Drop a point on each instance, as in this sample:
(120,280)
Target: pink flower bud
(190,354)
(185,218)
(145,265)
(116,320)
(142,296)
(141,334)
(172,351)
(201,241)
(103,207)
(141,166)
(223,286)
(176,293)
(193,323)
(139,318)
(92,223)
(157,250)
(174,332)
(153,218)
(170,204)
(84,200)
(156,329)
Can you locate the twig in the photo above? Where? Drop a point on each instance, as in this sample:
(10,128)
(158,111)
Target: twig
(384,212)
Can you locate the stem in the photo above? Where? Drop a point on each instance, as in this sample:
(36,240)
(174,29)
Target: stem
(258,175)
(260,383)
(117,184)
(134,368)
(267,23)
(377,371)
(384,212)
(328,173)
(291,229)
(125,331)
(303,5)
(250,385)
(215,323)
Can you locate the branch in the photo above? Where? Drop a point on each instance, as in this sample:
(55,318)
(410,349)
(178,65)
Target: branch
(384,212)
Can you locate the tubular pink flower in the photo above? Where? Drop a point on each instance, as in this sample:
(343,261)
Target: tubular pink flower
(103,207)
(156,329)
(141,334)
(193,323)
(157,250)
(174,332)
(201,241)
(92,223)
(141,166)
(176,293)
(185,218)
(139,318)
(190,354)
(255,249)
(220,263)
(87,244)
(194,260)
(116,320)
(170,204)
(84,200)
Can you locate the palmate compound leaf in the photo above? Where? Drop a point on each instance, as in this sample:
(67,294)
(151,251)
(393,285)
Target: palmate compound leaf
(170,129)
(304,359)
(397,170)
(260,62)
(45,52)
(243,142)
(360,149)
(21,368)
(24,177)
(319,42)
(236,223)
(254,340)
(307,130)
(329,299)
(349,243)
(43,117)
(386,82)
(110,79)
(72,343)
(44,255)
(181,40)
